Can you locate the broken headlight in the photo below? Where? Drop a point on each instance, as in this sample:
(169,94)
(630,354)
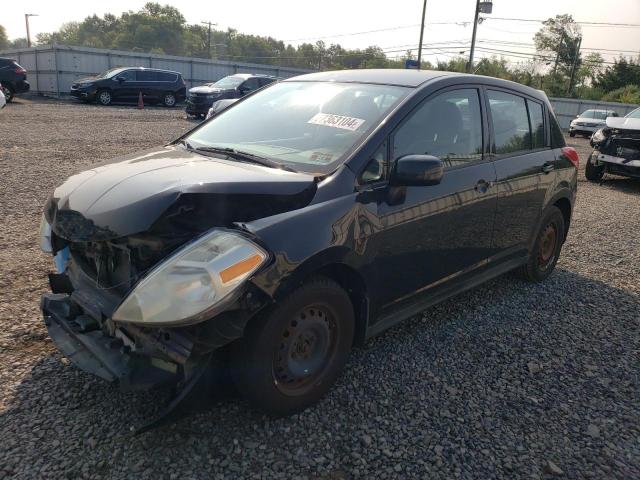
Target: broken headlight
(600,135)
(189,284)
(45,236)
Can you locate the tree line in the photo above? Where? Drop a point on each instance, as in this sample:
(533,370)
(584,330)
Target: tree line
(558,66)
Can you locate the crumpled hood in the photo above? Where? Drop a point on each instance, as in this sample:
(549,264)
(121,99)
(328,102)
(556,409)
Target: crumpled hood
(129,195)
(623,123)
(205,89)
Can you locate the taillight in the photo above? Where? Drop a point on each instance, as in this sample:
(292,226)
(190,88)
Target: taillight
(20,71)
(572,155)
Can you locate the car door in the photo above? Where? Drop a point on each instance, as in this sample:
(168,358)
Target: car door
(126,85)
(148,84)
(524,163)
(249,86)
(432,235)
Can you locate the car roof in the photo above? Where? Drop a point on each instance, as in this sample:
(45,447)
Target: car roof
(251,75)
(412,79)
(405,78)
(149,69)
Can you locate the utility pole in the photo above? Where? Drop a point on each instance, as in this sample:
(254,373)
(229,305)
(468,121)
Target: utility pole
(424,11)
(26,20)
(555,65)
(575,64)
(209,37)
(473,37)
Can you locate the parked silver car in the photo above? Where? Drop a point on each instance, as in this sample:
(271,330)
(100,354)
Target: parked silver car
(590,121)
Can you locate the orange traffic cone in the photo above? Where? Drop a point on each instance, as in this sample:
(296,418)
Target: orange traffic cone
(140,101)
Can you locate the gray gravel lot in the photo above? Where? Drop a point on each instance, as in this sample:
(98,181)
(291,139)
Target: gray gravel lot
(510,380)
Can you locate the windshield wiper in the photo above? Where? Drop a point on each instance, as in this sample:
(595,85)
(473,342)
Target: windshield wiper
(242,156)
(186,144)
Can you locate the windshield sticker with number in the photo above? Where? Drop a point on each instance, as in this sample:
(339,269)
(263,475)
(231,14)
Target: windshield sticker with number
(337,121)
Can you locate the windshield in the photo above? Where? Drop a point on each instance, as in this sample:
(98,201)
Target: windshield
(228,82)
(634,114)
(308,126)
(597,114)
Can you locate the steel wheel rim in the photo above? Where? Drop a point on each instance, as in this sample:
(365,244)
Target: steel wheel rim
(307,345)
(547,249)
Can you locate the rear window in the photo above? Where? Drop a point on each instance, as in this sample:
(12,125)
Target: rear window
(557,138)
(146,76)
(166,76)
(510,122)
(537,124)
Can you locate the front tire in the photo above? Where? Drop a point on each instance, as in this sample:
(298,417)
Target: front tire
(104,97)
(290,358)
(546,250)
(572,134)
(8,93)
(593,173)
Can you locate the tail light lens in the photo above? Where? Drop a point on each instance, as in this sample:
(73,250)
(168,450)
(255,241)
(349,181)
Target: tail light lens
(572,155)
(21,71)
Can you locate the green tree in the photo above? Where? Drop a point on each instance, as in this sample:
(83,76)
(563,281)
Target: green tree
(623,72)
(557,42)
(4,40)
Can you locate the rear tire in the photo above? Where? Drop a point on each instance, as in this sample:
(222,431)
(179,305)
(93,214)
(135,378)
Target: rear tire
(572,134)
(290,358)
(546,250)
(169,99)
(104,97)
(593,173)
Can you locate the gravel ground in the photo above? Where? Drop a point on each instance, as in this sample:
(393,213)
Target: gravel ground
(510,380)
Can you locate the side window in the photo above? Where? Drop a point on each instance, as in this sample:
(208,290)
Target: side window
(557,138)
(250,85)
(375,169)
(146,76)
(166,77)
(448,126)
(265,81)
(510,122)
(128,75)
(537,124)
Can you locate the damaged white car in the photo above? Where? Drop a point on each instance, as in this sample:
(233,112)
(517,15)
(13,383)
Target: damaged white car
(616,148)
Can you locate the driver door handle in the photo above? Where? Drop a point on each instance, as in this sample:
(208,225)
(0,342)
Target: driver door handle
(547,167)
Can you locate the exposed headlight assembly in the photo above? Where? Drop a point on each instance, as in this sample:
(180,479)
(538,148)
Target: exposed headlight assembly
(600,135)
(187,286)
(45,236)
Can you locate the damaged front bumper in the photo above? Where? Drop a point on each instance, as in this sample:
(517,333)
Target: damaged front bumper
(107,357)
(618,165)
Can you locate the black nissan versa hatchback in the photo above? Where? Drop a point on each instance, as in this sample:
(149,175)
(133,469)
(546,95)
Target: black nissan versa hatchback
(305,219)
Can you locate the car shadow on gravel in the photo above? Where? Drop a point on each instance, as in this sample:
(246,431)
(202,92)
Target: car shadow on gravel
(520,369)
(623,184)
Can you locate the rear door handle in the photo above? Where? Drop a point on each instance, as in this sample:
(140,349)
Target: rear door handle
(547,167)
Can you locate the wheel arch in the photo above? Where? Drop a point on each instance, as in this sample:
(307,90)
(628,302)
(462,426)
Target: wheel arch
(344,275)
(564,205)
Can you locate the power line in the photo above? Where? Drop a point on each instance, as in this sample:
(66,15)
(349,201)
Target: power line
(604,24)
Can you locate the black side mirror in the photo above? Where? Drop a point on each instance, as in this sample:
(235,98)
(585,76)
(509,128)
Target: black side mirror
(417,170)
(120,79)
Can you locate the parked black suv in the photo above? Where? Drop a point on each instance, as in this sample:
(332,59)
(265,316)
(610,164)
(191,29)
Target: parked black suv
(126,84)
(13,78)
(310,216)
(200,99)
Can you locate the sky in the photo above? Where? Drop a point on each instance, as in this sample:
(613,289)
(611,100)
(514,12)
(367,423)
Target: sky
(447,32)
